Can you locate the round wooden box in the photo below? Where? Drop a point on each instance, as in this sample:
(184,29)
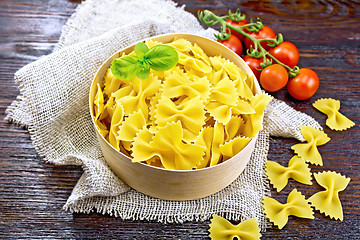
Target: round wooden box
(175,184)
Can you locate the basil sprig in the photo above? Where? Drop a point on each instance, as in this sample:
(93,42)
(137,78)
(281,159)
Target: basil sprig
(159,58)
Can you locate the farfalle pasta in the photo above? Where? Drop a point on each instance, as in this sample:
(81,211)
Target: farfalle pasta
(279,175)
(336,120)
(295,205)
(328,201)
(197,114)
(308,151)
(222,229)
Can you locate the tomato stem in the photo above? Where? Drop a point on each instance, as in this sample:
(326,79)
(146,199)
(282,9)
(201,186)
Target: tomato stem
(258,51)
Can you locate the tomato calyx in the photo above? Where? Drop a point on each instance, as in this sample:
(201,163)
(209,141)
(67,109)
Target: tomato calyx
(224,35)
(237,16)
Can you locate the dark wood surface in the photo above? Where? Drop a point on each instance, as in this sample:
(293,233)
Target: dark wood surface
(33,192)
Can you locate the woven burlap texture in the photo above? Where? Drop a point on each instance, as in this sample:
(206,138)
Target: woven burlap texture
(53,104)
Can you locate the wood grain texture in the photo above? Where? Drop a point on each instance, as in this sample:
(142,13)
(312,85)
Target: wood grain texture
(33,192)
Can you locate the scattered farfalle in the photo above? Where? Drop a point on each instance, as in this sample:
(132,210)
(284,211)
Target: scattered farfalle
(222,229)
(336,120)
(279,213)
(233,147)
(116,121)
(308,151)
(253,122)
(297,169)
(328,201)
(167,143)
(190,113)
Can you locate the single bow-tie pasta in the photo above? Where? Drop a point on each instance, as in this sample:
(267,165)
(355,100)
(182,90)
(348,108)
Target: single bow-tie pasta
(98,103)
(116,122)
(167,143)
(336,120)
(190,113)
(144,90)
(102,128)
(205,139)
(223,98)
(279,213)
(233,147)
(111,83)
(297,169)
(309,151)
(179,84)
(130,127)
(192,63)
(197,114)
(253,122)
(222,229)
(223,68)
(218,139)
(328,201)
(234,127)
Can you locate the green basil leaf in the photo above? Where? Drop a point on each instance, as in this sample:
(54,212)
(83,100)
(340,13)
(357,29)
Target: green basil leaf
(125,67)
(162,57)
(141,49)
(143,70)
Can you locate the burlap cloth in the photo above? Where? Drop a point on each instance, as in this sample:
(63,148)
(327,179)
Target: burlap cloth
(53,105)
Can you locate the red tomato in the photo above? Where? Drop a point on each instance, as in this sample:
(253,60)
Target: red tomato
(238,24)
(274,78)
(254,64)
(264,33)
(287,53)
(234,44)
(304,85)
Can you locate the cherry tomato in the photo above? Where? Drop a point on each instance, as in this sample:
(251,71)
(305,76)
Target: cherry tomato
(264,33)
(233,43)
(274,77)
(304,85)
(254,64)
(287,53)
(237,24)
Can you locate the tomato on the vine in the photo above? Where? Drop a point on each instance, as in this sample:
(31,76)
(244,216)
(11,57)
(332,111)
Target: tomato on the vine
(233,43)
(287,53)
(237,24)
(264,33)
(254,64)
(274,77)
(304,85)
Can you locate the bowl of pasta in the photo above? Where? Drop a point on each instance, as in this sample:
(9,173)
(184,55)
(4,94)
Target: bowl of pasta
(184,133)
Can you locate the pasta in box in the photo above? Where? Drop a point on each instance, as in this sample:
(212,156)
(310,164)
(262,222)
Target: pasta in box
(173,132)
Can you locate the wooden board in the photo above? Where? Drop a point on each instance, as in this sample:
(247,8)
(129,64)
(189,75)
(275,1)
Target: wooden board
(33,192)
